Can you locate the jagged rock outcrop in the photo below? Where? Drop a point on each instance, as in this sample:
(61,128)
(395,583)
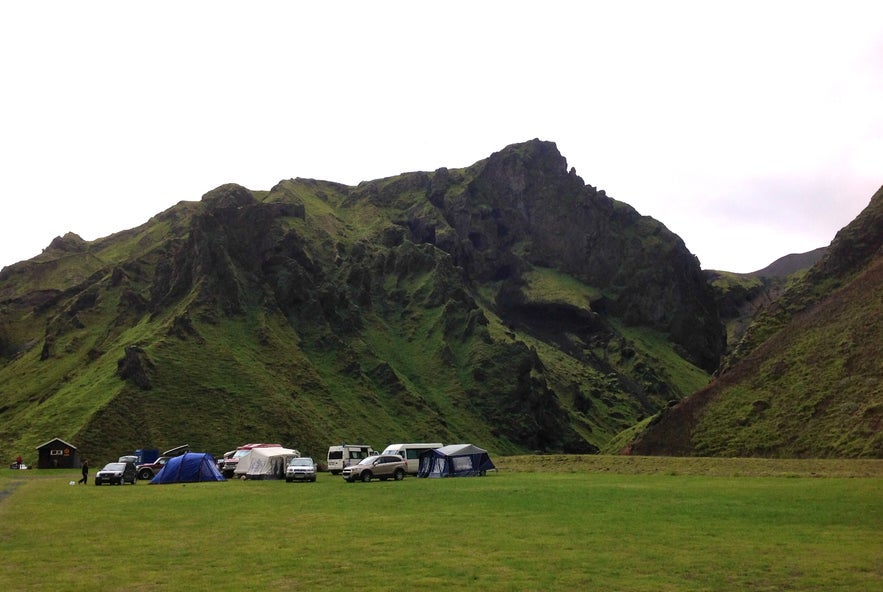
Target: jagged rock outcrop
(70,242)
(135,366)
(522,207)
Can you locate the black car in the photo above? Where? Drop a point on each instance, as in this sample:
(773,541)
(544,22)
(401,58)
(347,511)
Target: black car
(116,473)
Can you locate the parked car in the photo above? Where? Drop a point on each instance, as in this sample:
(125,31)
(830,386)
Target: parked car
(116,473)
(223,459)
(148,471)
(302,468)
(381,466)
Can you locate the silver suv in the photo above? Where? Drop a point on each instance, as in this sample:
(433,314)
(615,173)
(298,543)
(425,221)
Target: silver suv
(382,466)
(302,468)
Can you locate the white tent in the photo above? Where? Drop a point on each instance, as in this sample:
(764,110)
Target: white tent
(265,463)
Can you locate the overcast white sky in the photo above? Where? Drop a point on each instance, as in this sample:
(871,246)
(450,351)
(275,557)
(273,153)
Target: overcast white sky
(750,129)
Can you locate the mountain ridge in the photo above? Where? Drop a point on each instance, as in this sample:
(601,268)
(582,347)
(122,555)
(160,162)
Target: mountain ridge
(506,303)
(494,303)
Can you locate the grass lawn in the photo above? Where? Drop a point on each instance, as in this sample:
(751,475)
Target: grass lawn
(530,526)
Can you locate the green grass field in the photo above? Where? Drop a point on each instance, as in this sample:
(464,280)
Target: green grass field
(539,523)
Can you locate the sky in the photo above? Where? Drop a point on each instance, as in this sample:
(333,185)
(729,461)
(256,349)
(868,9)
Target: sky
(751,129)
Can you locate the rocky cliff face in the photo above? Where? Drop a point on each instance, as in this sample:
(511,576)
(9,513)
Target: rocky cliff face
(518,209)
(507,302)
(522,207)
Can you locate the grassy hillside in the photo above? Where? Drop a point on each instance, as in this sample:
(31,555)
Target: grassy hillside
(807,378)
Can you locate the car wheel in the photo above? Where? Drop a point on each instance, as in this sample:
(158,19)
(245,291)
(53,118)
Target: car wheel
(399,474)
(146,474)
(366,476)
(288,480)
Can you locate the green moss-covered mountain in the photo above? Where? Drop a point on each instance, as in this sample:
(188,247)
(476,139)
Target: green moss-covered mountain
(507,303)
(741,297)
(806,379)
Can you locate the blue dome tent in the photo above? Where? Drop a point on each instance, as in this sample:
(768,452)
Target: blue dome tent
(189,467)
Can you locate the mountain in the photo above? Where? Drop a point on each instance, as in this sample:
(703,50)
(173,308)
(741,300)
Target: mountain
(806,380)
(741,297)
(507,303)
(790,264)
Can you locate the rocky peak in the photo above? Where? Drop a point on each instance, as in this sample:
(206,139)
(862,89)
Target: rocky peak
(229,196)
(70,242)
(521,208)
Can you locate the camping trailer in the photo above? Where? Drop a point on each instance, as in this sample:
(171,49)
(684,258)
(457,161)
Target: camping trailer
(267,463)
(259,456)
(411,452)
(455,460)
(345,455)
(228,466)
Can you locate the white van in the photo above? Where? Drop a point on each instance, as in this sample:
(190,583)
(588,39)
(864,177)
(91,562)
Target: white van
(346,455)
(411,452)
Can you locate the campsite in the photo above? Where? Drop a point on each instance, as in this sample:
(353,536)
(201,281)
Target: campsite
(269,461)
(537,523)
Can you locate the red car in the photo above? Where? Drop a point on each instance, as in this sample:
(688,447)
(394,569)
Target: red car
(148,471)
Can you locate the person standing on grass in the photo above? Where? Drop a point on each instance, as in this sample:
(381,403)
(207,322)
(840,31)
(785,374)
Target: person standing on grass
(18,462)
(85,473)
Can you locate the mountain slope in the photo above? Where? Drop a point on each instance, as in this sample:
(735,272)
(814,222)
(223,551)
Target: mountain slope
(741,297)
(506,303)
(790,264)
(807,378)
